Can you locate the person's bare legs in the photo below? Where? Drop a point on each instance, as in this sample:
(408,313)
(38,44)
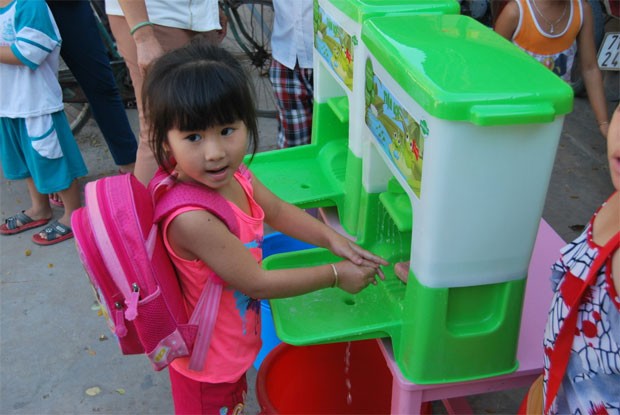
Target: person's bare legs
(71,199)
(39,203)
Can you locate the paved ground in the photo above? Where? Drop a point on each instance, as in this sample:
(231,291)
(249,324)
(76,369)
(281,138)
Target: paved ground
(56,355)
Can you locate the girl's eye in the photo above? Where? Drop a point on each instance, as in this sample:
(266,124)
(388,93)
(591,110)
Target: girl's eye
(226,131)
(193,138)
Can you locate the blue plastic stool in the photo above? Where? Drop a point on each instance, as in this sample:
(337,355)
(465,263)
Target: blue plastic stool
(274,243)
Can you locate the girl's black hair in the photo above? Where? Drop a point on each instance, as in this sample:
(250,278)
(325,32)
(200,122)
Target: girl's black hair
(194,88)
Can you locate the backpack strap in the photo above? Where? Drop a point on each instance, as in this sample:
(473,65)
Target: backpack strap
(245,172)
(558,360)
(204,317)
(168,196)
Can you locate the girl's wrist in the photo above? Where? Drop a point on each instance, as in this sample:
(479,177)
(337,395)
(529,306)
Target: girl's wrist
(335,272)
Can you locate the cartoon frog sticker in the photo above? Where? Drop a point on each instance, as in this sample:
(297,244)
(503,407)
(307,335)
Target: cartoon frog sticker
(334,44)
(399,134)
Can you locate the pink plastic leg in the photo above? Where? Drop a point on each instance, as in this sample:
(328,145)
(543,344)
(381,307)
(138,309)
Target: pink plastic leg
(457,406)
(405,401)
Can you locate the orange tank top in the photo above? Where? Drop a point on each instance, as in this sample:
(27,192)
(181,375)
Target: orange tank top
(554,50)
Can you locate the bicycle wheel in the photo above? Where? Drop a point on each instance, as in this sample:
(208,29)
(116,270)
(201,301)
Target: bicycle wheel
(77,115)
(76,105)
(250,23)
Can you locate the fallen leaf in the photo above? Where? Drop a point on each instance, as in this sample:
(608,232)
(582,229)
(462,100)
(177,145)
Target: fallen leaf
(27,252)
(120,391)
(50,265)
(94,391)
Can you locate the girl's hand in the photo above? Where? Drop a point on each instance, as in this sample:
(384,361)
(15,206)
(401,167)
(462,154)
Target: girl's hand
(354,278)
(346,249)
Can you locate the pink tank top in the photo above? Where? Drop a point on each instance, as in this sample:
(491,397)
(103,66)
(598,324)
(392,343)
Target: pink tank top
(236,337)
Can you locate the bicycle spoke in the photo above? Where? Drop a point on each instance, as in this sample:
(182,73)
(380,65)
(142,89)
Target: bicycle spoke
(77,115)
(249,39)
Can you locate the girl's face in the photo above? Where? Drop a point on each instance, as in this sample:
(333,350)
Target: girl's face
(211,156)
(613,148)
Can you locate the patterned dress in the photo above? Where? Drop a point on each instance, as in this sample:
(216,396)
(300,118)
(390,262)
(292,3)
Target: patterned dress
(591,384)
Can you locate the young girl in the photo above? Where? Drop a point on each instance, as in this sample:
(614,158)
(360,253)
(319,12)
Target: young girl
(552,31)
(201,115)
(582,356)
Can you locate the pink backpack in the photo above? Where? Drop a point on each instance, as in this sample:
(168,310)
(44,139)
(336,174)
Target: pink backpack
(122,250)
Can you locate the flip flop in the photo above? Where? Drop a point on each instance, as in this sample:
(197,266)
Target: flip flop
(11,225)
(52,234)
(56,202)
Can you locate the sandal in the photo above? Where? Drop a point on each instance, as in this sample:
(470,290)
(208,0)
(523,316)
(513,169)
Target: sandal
(52,234)
(55,200)
(19,223)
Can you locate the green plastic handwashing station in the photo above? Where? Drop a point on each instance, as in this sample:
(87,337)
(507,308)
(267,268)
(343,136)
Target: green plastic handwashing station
(434,139)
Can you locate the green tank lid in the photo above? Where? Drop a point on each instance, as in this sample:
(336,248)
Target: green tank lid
(359,10)
(457,69)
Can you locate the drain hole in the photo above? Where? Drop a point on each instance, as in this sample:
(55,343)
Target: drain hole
(349,301)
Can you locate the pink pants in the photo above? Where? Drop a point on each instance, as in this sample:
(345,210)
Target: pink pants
(193,397)
(169,38)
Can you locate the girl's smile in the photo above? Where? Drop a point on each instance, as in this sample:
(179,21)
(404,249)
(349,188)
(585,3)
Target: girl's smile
(217,176)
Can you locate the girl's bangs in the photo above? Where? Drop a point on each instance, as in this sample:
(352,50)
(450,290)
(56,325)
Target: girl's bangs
(213,98)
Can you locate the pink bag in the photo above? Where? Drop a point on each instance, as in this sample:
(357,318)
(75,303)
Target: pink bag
(121,248)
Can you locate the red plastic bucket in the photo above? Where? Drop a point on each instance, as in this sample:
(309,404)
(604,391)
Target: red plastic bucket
(315,379)
(274,243)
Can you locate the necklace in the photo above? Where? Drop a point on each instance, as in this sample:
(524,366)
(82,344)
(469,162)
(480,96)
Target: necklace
(551,24)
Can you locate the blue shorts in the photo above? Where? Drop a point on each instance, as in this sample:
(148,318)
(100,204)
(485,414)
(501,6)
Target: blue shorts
(43,148)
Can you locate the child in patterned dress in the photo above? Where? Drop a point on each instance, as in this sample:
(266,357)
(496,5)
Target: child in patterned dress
(586,378)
